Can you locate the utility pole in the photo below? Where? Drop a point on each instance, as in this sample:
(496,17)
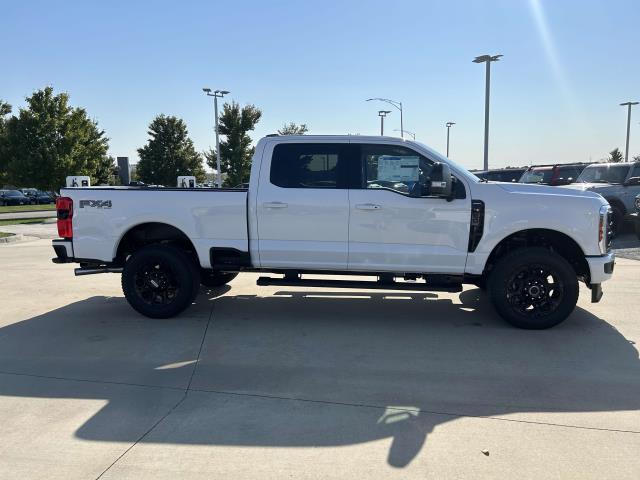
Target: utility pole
(382,114)
(487,59)
(396,104)
(628,105)
(217,94)
(448,125)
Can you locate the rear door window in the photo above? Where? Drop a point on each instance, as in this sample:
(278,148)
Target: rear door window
(309,165)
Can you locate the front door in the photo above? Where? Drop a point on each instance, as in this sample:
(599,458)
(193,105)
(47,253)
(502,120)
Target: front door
(389,230)
(303,207)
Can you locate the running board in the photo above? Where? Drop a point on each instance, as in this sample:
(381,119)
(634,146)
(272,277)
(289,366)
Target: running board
(358,284)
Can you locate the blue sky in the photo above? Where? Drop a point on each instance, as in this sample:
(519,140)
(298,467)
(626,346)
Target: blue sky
(555,94)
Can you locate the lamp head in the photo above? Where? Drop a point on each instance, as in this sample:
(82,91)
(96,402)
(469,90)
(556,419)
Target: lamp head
(206,90)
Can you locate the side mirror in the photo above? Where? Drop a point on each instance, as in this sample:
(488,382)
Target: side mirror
(633,181)
(441,181)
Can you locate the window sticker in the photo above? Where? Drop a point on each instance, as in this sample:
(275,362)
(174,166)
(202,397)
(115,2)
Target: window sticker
(398,169)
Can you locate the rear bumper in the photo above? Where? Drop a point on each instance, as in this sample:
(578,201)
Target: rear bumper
(64,251)
(601,267)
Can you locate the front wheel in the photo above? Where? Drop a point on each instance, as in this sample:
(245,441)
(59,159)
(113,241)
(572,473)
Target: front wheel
(160,281)
(533,288)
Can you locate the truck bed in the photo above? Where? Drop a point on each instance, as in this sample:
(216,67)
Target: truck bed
(208,217)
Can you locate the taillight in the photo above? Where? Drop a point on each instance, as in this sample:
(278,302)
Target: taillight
(64,208)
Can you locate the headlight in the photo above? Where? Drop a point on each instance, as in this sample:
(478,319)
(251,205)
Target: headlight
(604,229)
(637,203)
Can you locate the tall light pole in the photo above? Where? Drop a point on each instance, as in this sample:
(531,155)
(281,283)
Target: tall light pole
(628,105)
(216,94)
(448,125)
(382,114)
(487,59)
(413,135)
(396,104)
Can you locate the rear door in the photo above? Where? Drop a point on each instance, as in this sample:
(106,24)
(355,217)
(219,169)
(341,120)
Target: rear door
(392,231)
(303,206)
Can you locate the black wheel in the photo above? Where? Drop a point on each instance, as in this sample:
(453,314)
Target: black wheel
(213,279)
(159,281)
(533,288)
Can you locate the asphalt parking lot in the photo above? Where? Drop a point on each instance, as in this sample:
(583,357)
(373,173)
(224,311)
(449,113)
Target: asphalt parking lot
(272,382)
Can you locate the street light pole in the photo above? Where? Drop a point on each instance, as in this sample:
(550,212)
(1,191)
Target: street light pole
(413,135)
(382,114)
(448,125)
(487,59)
(396,104)
(216,94)
(628,105)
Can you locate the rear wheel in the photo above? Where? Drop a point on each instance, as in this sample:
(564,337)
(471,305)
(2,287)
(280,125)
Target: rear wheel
(159,281)
(533,288)
(213,279)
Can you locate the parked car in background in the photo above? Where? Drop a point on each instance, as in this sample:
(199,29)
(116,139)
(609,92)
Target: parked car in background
(43,198)
(634,217)
(501,174)
(30,193)
(13,198)
(553,175)
(618,183)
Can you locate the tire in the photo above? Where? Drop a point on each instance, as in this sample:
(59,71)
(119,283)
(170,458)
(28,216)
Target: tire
(160,281)
(522,294)
(213,279)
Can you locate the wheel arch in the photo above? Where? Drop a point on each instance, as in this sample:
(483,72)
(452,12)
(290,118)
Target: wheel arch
(148,233)
(554,240)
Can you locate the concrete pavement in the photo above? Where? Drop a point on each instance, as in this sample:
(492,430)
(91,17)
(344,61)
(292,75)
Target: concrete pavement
(268,382)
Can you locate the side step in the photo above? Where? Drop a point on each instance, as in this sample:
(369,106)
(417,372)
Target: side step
(359,284)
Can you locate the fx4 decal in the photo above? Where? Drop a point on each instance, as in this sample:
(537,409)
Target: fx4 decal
(95,203)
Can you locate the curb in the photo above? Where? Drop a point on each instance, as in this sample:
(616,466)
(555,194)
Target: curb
(14,237)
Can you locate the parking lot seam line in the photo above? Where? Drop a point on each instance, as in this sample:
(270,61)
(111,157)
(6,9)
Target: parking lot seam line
(171,410)
(419,410)
(204,336)
(86,380)
(144,434)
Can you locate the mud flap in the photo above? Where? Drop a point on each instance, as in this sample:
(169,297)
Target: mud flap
(596,292)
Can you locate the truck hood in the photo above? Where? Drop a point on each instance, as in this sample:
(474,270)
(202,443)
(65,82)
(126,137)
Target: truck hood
(533,189)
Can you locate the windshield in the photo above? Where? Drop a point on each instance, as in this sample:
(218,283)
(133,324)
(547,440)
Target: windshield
(14,193)
(537,176)
(604,174)
(442,159)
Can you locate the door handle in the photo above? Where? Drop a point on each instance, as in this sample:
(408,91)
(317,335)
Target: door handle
(275,205)
(368,206)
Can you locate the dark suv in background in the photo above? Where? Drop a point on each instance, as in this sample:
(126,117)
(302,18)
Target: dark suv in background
(500,174)
(553,174)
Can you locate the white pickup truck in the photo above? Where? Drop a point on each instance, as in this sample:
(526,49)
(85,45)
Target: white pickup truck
(392,210)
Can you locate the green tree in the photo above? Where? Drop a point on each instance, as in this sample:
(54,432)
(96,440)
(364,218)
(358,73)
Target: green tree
(235,150)
(293,129)
(615,156)
(105,173)
(5,109)
(49,140)
(168,153)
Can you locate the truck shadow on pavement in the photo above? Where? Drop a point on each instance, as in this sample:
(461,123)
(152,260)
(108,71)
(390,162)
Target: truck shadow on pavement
(317,368)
